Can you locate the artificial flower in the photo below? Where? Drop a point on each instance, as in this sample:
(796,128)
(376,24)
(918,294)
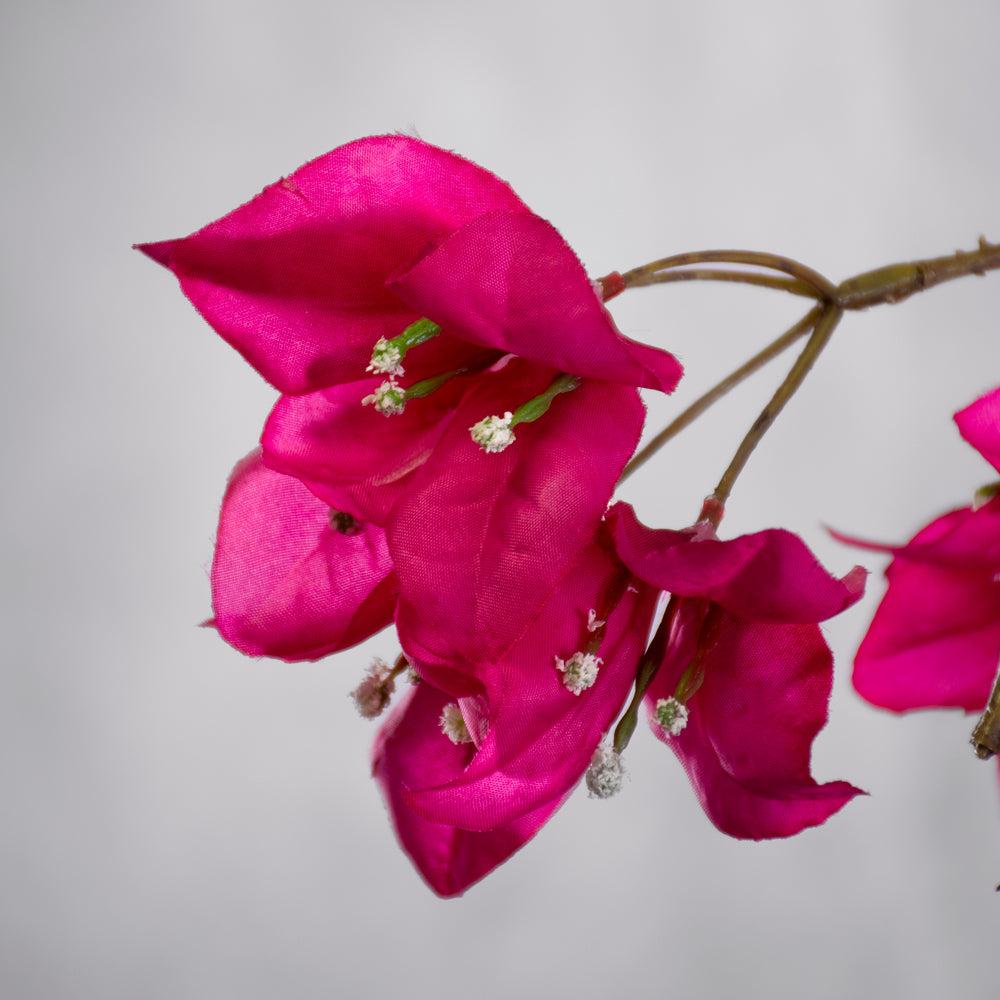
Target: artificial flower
(744,682)
(470,779)
(392,255)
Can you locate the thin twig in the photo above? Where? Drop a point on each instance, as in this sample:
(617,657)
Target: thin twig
(754,258)
(703,402)
(820,337)
(793,285)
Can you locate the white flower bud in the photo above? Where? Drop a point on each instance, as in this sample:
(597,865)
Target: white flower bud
(672,716)
(452,724)
(373,693)
(389,399)
(605,775)
(385,358)
(493,434)
(579,671)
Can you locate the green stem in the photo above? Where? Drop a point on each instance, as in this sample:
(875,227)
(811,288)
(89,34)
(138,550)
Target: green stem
(820,337)
(535,408)
(708,399)
(793,285)
(648,667)
(773,262)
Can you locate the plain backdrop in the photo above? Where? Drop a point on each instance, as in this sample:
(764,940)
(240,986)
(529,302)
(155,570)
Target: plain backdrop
(182,823)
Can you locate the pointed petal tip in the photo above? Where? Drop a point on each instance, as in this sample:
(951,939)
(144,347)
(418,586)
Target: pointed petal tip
(160,252)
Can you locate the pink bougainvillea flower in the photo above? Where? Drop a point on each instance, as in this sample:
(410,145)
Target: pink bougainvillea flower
(317,278)
(469,779)
(935,638)
(411,749)
(482,541)
(291,578)
(744,683)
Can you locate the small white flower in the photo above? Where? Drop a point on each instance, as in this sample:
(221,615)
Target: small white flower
(579,671)
(385,358)
(672,716)
(593,622)
(389,399)
(605,775)
(493,434)
(373,693)
(453,725)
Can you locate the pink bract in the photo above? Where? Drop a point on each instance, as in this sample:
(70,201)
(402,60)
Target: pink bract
(410,749)
(935,638)
(484,539)
(539,737)
(356,246)
(285,582)
(745,609)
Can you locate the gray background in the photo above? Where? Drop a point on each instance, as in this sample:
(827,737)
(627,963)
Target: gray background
(182,823)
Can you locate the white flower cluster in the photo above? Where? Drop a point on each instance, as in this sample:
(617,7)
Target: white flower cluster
(493,434)
(453,725)
(373,693)
(385,358)
(606,773)
(579,671)
(672,716)
(389,399)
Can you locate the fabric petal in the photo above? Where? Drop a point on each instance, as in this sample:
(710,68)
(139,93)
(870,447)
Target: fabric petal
(351,456)
(541,737)
(411,749)
(295,278)
(284,582)
(962,539)
(979,424)
(934,640)
(484,538)
(510,281)
(765,576)
(748,741)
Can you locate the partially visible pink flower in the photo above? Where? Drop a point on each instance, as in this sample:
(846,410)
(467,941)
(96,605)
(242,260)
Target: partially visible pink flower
(350,250)
(291,578)
(935,638)
(743,687)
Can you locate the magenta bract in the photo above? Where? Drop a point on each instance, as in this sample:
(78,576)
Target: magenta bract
(935,638)
(744,635)
(285,581)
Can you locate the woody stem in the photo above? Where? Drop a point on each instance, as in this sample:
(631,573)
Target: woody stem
(986,735)
(889,284)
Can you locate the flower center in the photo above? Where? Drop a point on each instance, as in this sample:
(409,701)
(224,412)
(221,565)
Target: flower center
(606,773)
(579,671)
(494,434)
(452,724)
(671,716)
(387,355)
